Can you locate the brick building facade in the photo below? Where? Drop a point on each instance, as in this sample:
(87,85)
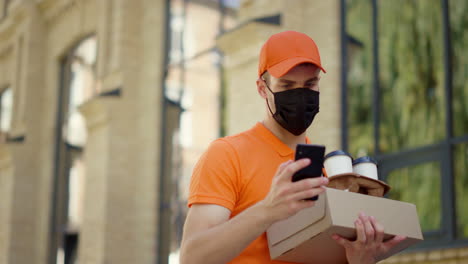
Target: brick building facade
(88,110)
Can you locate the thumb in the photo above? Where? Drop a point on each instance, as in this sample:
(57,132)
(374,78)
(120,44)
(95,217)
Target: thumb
(394,241)
(341,240)
(282,166)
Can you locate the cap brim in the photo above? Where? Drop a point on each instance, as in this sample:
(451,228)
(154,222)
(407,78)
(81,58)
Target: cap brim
(285,66)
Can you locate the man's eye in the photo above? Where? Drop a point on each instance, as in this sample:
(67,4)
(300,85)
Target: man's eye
(287,86)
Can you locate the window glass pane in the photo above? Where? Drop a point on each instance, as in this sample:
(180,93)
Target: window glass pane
(359,79)
(458,11)
(201,99)
(198,127)
(174,83)
(177,28)
(83,67)
(461,187)
(76,182)
(82,88)
(411,73)
(6,109)
(201,27)
(419,185)
(175,91)
(193,81)
(230,16)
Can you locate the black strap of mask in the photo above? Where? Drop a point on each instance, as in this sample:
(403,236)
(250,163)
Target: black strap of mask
(267,97)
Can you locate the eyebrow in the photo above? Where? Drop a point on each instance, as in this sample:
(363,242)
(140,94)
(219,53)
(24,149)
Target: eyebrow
(292,82)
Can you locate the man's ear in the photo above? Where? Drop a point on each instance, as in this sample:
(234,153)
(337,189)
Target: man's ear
(261,88)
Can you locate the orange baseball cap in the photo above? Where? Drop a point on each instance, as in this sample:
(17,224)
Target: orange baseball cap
(283,51)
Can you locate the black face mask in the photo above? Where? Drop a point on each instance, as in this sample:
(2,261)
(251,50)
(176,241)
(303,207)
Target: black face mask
(295,108)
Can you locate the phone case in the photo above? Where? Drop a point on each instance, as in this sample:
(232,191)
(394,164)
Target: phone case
(316,155)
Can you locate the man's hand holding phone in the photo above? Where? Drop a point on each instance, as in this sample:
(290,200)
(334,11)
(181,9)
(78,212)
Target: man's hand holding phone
(287,197)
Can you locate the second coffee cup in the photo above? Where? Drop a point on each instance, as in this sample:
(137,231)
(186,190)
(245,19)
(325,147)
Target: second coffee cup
(338,162)
(366,166)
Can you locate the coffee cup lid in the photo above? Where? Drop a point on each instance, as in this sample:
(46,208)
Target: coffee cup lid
(364,160)
(336,153)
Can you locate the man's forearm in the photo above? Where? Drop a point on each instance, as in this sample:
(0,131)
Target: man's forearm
(222,243)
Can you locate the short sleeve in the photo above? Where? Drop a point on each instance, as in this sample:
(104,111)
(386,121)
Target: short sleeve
(215,178)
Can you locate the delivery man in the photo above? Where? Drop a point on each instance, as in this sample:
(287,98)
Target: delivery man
(242,183)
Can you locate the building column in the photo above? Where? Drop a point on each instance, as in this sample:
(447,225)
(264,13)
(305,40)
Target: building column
(123,149)
(6,183)
(28,216)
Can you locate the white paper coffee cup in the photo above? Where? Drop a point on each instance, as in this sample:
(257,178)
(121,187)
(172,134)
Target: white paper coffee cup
(338,162)
(366,166)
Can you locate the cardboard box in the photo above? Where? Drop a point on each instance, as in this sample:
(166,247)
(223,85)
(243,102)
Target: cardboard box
(306,236)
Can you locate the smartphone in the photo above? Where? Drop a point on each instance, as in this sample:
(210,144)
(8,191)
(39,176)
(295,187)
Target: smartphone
(316,155)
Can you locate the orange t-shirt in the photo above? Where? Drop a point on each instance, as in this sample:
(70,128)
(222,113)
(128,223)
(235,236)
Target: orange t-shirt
(236,172)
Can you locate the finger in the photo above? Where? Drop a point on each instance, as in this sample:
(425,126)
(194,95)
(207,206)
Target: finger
(308,184)
(341,240)
(282,166)
(394,241)
(368,229)
(293,167)
(361,234)
(298,196)
(299,205)
(379,230)
(303,204)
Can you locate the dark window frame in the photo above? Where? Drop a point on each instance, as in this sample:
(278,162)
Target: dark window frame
(168,106)
(6,3)
(440,152)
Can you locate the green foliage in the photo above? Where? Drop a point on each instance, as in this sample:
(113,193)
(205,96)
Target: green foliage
(459,34)
(411,73)
(459,37)
(423,191)
(360,78)
(411,82)
(461,188)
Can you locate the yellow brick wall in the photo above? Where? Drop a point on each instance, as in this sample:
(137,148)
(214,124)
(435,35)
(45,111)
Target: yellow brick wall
(6,188)
(122,150)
